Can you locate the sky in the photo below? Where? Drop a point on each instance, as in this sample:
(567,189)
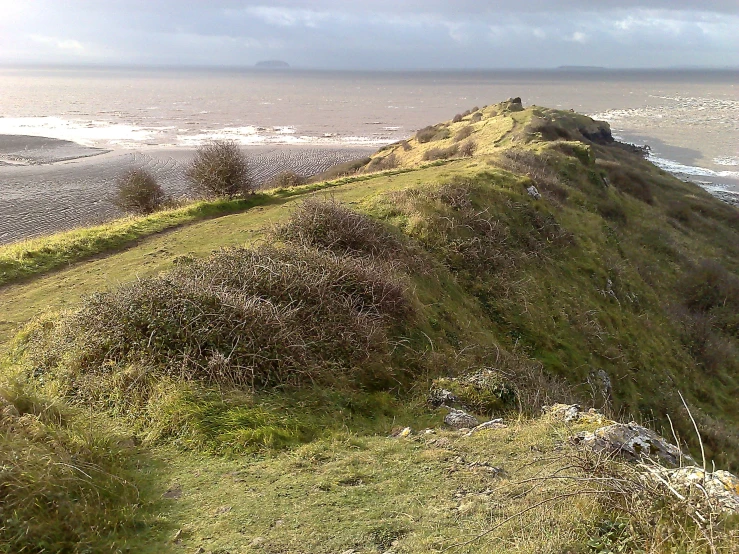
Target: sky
(377,34)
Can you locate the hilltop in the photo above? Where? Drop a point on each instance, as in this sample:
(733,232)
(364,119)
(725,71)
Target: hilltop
(304,370)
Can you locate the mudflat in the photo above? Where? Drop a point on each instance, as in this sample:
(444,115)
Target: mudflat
(49,185)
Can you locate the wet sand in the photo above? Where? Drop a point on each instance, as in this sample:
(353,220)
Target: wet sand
(49,185)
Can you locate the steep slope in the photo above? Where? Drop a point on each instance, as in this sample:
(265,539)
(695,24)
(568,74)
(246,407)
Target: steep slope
(511,258)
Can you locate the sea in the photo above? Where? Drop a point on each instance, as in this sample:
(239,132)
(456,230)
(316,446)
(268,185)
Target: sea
(689,118)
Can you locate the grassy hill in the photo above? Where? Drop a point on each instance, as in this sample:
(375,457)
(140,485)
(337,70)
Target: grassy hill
(227,378)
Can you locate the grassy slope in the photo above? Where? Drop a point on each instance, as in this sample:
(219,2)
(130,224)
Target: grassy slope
(349,488)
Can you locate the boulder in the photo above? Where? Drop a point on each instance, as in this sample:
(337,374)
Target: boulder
(633,442)
(485,391)
(720,488)
(459,419)
(534,192)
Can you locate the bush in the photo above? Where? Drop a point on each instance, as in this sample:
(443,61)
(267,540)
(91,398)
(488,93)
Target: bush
(464,133)
(433,133)
(249,318)
(476,117)
(328,224)
(457,118)
(628,180)
(220,168)
(426,134)
(137,191)
(383,164)
(613,211)
(285,180)
(467,150)
(441,153)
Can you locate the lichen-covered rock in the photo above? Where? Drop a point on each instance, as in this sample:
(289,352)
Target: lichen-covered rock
(459,419)
(721,488)
(633,442)
(571,413)
(534,192)
(484,392)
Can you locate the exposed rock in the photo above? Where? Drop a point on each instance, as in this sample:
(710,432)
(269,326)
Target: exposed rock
(459,419)
(440,396)
(571,413)
(485,391)
(599,379)
(633,442)
(534,192)
(492,424)
(721,488)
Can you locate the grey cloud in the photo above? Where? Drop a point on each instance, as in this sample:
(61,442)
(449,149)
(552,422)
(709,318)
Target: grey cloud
(377,34)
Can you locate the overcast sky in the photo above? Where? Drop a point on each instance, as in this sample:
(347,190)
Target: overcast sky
(376,34)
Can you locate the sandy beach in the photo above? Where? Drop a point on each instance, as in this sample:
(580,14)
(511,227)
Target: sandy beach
(49,185)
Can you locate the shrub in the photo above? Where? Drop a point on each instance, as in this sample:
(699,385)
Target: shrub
(441,153)
(383,164)
(708,286)
(457,118)
(285,180)
(426,134)
(464,133)
(405,145)
(476,117)
(328,224)
(612,210)
(220,168)
(433,133)
(467,150)
(628,180)
(256,318)
(137,191)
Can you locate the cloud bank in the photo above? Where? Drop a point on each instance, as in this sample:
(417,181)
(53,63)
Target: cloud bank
(381,34)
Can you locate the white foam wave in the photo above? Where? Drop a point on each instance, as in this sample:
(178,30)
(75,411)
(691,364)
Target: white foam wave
(676,167)
(86,133)
(726,160)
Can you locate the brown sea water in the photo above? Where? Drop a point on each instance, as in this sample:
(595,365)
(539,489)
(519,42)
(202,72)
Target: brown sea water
(689,118)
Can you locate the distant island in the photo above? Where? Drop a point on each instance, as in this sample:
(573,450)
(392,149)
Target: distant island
(273,64)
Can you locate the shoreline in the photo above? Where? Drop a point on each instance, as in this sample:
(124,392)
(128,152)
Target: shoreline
(45,197)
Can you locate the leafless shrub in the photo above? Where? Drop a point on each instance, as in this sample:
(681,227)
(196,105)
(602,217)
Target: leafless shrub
(441,153)
(137,191)
(467,150)
(256,318)
(433,133)
(220,168)
(464,133)
(329,224)
(383,163)
(284,180)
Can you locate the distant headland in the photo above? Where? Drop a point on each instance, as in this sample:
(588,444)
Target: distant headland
(272,64)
